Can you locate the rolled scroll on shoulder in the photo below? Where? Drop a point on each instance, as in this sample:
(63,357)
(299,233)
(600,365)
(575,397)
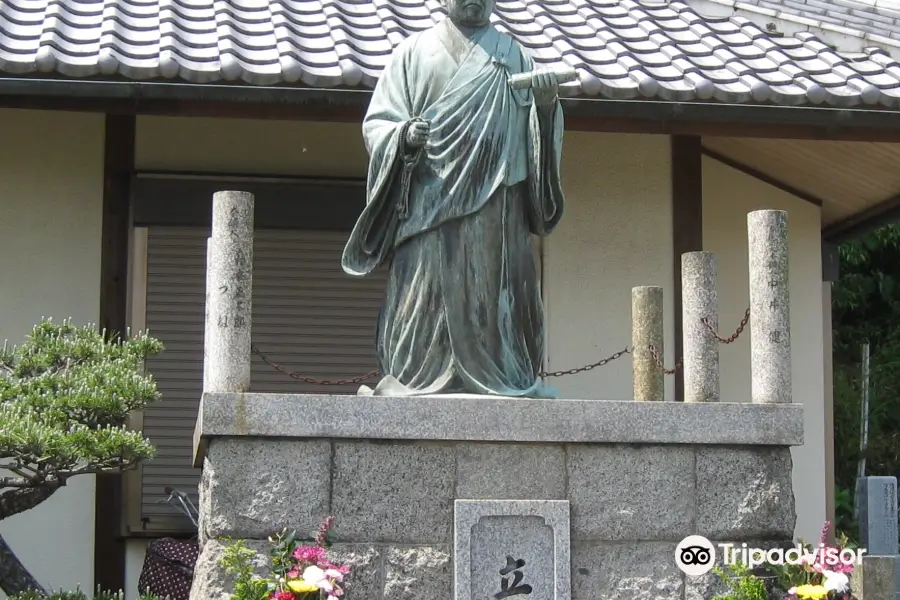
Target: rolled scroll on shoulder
(564,74)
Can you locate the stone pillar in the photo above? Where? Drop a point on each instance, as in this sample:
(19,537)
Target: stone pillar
(646,331)
(701,348)
(206,327)
(875,579)
(770,328)
(228,304)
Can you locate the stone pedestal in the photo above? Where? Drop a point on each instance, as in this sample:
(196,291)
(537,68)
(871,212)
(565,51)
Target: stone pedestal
(877,578)
(638,477)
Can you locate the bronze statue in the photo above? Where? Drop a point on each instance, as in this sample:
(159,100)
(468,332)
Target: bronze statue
(464,169)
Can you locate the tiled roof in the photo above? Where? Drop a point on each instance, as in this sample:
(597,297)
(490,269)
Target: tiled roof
(872,22)
(622,49)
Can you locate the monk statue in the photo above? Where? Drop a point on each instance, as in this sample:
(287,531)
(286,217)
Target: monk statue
(463,171)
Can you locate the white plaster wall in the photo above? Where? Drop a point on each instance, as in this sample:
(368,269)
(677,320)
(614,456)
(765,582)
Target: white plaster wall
(728,196)
(135,552)
(615,234)
(51,187)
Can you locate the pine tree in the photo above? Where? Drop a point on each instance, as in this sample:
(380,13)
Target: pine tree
(65,397)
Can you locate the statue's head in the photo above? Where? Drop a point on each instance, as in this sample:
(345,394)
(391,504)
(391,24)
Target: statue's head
(470,13)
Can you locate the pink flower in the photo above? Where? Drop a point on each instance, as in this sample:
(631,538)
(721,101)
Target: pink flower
(843,567)
(309,554)
(823,538)
(328,565)
(323,531)
(293,574)
(281,596)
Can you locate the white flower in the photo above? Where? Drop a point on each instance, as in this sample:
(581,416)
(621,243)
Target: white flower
(835,582)
(334,574)
(317,577)
(313,575)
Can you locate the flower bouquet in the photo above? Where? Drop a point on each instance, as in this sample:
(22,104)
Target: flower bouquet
(297,571)
(822,573)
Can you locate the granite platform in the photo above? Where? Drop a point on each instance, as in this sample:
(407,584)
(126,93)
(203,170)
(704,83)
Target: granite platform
(638,477)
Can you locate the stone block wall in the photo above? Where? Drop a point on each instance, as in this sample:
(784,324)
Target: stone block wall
(631,503)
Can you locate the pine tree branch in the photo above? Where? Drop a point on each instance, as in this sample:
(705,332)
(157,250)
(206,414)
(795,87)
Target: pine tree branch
(15,482)
(14,577)
(17,469)
(15,501)
(56,478)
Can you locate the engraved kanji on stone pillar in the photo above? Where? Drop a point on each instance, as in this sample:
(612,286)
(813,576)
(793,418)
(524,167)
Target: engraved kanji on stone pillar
(770,327)
(229,294)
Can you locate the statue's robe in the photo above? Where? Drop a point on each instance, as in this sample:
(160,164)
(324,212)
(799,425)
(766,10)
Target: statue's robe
(463,310)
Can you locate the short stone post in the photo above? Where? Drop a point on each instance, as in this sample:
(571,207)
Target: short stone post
(770,327)
(875,578)
(701,348)
(646,331)
(228,303)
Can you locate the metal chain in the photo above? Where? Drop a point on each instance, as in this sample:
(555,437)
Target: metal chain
(599,363)
(734,335)
(659,362)
(377,372)
(313,380)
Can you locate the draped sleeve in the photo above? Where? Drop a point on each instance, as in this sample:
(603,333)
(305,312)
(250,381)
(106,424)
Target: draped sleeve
(545,134)
(384,130)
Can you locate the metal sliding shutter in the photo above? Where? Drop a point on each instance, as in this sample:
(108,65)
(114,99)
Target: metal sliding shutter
(308,316)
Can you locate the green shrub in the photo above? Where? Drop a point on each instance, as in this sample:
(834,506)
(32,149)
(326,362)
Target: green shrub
(741,583)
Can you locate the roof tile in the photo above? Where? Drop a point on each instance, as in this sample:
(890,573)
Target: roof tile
(622,49)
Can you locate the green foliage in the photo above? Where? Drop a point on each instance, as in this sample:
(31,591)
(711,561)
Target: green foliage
(283,546)
(65,398)
(295,569)
(866,308)
(237,560)
(866,295)
(742,584)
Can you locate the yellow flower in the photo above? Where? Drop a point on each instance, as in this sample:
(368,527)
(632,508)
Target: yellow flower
(300,586)
(815,592)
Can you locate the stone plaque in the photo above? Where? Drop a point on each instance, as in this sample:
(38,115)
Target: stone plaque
(511,549)
(877,501)
(878,515)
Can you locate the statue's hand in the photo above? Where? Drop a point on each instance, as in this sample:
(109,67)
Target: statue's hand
(545,87)
(417,134)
